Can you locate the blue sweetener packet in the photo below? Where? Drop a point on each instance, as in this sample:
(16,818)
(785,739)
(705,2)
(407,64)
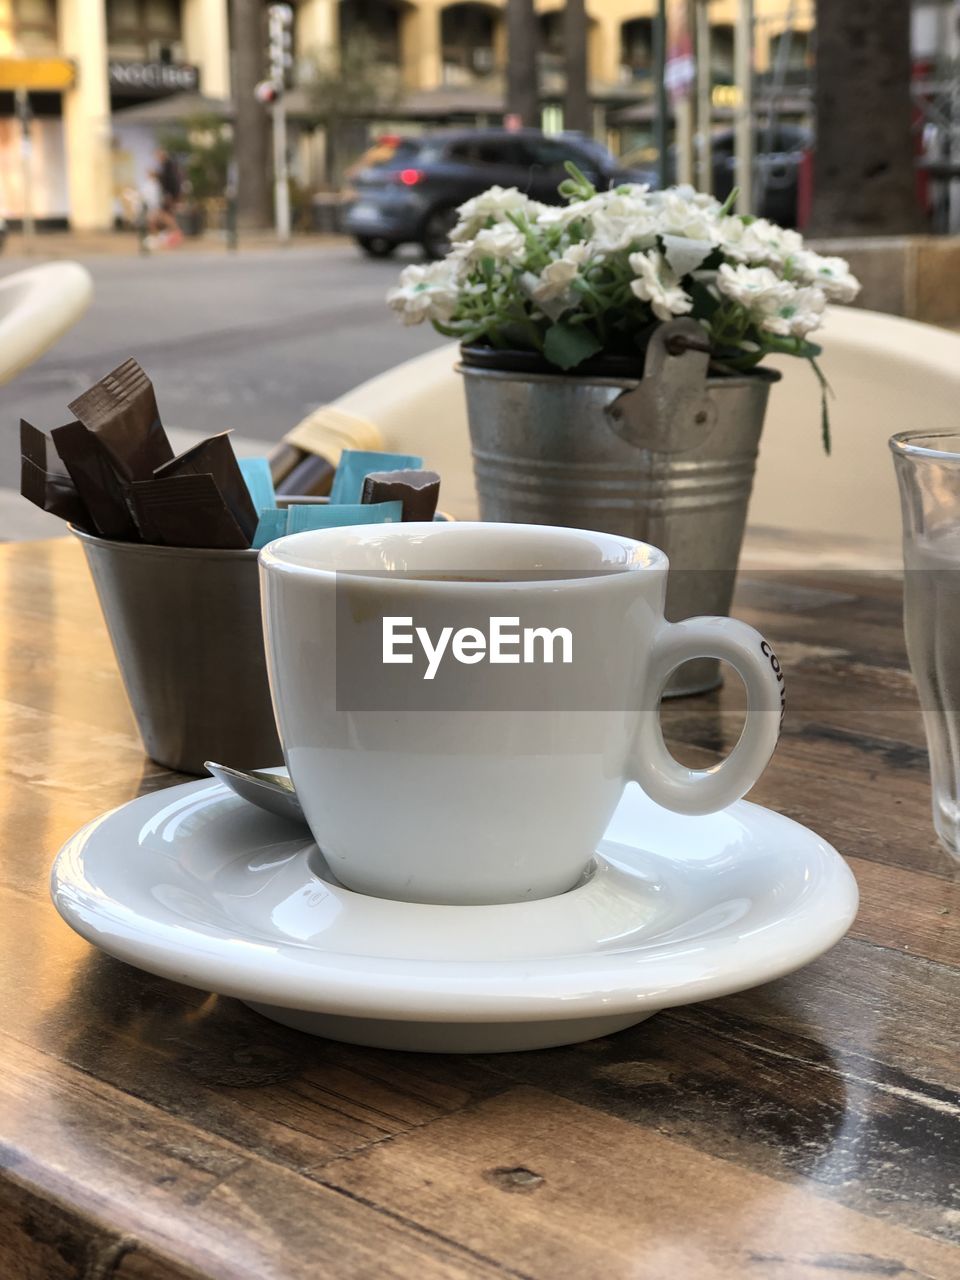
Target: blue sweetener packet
(334,516)
(271,525)
(354,464)
(257,478)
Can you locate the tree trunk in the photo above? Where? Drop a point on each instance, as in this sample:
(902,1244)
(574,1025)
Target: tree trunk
(864,180)
(251,122)
(523,98)
(577,114)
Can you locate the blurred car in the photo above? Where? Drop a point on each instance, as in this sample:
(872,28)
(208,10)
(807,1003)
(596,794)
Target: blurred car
(777,169)
(412,196)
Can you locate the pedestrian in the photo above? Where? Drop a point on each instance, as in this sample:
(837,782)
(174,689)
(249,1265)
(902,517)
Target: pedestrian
(169,182)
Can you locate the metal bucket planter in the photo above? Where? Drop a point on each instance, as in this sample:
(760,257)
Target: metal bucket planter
(186,629)
(668,458)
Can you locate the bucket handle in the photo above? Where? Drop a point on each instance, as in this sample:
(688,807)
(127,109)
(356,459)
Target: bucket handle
(670,409)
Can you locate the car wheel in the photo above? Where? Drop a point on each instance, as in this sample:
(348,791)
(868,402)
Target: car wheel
(436,232)
(376,246)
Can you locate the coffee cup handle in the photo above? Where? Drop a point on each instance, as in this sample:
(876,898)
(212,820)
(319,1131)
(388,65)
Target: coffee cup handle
(697,791)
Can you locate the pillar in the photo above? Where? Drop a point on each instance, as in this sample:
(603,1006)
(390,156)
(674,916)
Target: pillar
(500,43)
(605,48)
(420,45)
(86,115)
(206,43)
(317,29)
(7,41)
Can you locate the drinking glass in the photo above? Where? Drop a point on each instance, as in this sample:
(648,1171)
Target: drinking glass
(928,472)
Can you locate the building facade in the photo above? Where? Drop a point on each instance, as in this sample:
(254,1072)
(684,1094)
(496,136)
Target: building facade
(110,54)
(454,45)
(83,61)
(447,58)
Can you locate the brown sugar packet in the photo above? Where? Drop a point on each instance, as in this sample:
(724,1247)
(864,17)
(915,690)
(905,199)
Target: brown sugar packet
(103,493)
(419,491)
(45,481)
(185,511)
(215,457)
(121,411)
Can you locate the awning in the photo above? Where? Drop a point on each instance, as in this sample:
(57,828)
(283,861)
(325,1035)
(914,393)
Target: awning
(427,104)
(175,109)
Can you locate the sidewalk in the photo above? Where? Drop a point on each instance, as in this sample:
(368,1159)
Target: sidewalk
(84,244)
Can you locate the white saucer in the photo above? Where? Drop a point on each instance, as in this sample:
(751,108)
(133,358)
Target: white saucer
(196,885)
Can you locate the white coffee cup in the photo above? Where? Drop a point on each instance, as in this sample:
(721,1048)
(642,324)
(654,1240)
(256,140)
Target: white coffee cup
(493,779)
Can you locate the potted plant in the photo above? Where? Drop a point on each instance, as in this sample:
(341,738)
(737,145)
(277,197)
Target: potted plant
(205,148)
(612,350)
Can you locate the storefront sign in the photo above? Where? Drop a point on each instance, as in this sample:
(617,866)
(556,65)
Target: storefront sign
(42,75)
(139,78)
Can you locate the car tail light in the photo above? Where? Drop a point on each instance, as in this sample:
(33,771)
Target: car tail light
(410,177)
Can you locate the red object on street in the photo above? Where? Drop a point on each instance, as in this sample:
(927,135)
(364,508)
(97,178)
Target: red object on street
(512,122)
(923,70)
(410,177)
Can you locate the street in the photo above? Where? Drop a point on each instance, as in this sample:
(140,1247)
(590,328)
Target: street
(249,341)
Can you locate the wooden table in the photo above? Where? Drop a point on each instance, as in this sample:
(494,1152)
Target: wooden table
(807,1129)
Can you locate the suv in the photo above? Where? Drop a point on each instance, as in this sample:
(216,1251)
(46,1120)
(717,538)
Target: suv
(413,196)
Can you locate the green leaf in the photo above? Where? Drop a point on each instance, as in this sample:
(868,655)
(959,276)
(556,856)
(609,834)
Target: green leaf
(730,201)
(578,186)
(567,346)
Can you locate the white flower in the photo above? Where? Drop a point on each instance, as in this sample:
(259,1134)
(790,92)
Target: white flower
(774,304)
(496,203)
(757,242)
(832,275)
(557,276)
(677,215)
(752,287)
(700,198)
(561,215)
(425,293)
(656,284)
(622,222)
(797,314)
(633,190)
(503,242)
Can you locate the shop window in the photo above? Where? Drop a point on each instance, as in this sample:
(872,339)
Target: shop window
(636,49)
(467,34)
(550,54)
(142,26)
(36,24)
(795,51)
(721,53)
(373,24)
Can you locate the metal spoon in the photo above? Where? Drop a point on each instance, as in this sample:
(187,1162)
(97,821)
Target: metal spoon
(271,791)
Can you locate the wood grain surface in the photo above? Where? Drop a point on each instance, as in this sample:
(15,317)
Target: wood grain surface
(808,1129)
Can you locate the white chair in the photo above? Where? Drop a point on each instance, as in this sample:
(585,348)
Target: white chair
(37,306)
(888,374)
